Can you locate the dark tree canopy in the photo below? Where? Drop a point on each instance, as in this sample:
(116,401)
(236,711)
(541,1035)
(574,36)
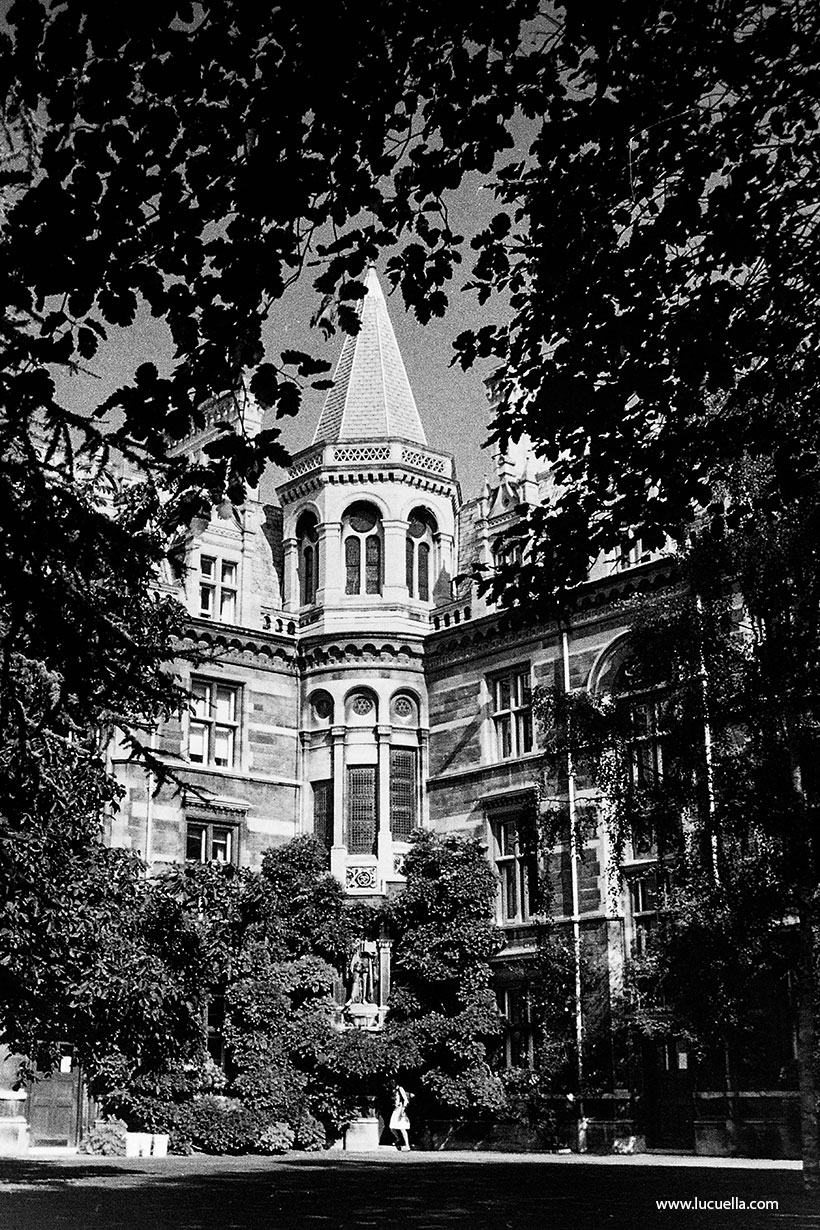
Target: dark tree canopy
(659,247)
(195,158)
(656,240)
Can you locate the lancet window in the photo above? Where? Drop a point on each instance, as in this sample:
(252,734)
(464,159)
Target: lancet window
(363,545)
(421,531)
(307,535)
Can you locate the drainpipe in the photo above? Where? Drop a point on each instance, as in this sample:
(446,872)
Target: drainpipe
(149,809)
(574,856)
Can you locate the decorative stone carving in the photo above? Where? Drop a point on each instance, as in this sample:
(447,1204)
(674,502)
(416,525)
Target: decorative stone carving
(424,461)
(361,878)
(304,466)
(363,453)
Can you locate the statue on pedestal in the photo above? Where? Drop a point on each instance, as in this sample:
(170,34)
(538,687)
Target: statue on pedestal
(361,1005)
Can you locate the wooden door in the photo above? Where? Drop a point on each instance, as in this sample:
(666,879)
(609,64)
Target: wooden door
(54,1108)
(669,1103)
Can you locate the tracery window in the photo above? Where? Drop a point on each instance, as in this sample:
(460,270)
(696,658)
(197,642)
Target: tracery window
(323,812)
(362,537)
(421,532)
(403,806)
(361,809)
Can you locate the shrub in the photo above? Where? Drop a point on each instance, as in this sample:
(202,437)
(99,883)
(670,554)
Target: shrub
(309,1134)
(106,1139)
(179,1142)
(154,1101)
(142,1113)
(530,1102)
(275,1138)
(219,1125)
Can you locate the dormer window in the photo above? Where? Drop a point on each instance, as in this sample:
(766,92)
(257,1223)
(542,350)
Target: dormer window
(363,549)
(421,531)
(217,588)
(307,535)
(507,552)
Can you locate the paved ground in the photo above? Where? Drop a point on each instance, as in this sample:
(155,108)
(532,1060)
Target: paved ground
(392,1191)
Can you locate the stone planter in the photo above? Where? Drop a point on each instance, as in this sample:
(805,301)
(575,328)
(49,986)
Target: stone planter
(138,1144)
(146,1144)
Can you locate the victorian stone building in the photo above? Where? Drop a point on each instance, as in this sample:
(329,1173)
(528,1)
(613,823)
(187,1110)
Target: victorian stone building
(348,685)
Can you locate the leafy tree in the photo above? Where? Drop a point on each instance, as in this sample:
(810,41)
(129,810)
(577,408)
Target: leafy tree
(306,909)
(442,1007)
(84,641)
(191,162)
(188,163)
(84,962)
(657,242)
(658,246)
(285,1048)
(728,657)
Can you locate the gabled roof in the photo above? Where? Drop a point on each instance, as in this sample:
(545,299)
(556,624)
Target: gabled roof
(371,398)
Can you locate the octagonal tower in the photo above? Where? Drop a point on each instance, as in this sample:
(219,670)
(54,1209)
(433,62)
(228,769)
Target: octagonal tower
(369,529)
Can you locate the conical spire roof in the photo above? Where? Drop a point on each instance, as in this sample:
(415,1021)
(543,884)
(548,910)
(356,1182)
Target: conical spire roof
(371,398)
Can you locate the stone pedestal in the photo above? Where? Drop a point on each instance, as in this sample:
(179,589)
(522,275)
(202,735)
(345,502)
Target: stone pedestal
(363,1135)
(363,1016)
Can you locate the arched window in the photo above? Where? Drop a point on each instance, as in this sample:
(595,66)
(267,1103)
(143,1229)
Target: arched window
(421,533)
(307,536)
(363,553)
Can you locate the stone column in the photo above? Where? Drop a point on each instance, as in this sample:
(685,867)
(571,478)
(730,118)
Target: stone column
(395,571)
(384,845)
(424,773)
(331,569)
(383,950)
(302,774)
(338,851)
(292,596)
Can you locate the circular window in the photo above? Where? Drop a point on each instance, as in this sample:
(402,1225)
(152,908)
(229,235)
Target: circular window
(403,707)
(420,523)
(362,705)
(323,707)
(362,518)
